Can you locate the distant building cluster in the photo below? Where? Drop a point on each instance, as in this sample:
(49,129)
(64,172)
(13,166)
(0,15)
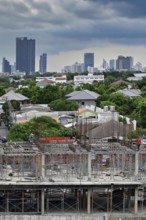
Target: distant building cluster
(88,65)
(25,58)
(122,63)
(52,80)
(25,61)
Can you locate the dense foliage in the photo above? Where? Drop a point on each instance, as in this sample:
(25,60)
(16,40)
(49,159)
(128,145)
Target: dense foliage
(40,127)
(63,105)
(55,95)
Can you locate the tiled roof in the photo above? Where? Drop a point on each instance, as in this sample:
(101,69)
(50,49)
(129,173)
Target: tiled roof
(84,95)
(72,93)
(11,95)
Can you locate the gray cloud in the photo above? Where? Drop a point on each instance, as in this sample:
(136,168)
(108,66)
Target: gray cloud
(61,25)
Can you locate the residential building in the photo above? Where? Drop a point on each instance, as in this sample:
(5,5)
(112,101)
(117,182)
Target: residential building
(53,79)
(88,60)
(77,68)
(90,78)
(83,98)
(66,69)
(61,79)
(92,69)
(11,95)
(122,82)
(25,55)
(6,67)
(130,92)
(43,63)
(44,83)
(124,63)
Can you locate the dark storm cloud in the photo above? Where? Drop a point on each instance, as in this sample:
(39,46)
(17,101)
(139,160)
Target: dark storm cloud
(61,25)
(126,8)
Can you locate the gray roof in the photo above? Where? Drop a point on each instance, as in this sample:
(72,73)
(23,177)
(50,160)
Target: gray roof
(72,93)
(11,95)
(130,92)
(84,95)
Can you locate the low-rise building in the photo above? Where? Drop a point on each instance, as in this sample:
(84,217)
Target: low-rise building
(11,95)
(130,92)
(53,79)
(83,98)
(90,78)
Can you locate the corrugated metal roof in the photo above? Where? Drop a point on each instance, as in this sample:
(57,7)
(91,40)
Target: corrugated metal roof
(110,129)
(130,92)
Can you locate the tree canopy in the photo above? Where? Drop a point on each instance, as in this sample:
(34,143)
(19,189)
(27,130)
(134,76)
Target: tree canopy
(63,105)
(40,127)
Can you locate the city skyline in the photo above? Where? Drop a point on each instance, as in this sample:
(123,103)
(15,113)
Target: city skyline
(67,29)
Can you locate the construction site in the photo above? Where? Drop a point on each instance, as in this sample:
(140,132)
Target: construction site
(68,179)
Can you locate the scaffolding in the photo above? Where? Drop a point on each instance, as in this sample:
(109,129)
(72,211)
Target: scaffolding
(93,177)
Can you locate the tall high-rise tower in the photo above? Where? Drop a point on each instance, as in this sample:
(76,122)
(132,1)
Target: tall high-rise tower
(43,63)
(124,63)
(88,60)
(25,55)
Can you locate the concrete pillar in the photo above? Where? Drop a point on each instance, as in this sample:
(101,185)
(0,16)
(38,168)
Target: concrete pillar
(129,199)
(43,166)
(89,166)
(22,201)
(89,201)
(42,202)
(38,201)
(111,200)
(84,199)
(136,163)
(7,208)
(136,201)
(123,161)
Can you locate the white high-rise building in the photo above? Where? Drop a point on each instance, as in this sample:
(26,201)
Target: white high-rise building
(104,64)
(112,64)
(138,66)
(75,68)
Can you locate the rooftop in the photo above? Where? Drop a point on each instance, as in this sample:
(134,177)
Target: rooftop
(11,95)
(83,95)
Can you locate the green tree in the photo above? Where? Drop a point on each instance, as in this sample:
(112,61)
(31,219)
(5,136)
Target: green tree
(2,90)
(142,113)
(41,127)
(63,105)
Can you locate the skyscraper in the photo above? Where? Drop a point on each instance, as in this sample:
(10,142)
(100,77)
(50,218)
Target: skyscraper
(25,55)
(112,64)
(6,67)
(43,63)
(88,60)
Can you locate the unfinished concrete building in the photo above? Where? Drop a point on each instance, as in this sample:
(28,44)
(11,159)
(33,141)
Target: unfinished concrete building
(86,180)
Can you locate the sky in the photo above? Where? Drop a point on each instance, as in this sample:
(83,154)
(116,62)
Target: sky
(66,29)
